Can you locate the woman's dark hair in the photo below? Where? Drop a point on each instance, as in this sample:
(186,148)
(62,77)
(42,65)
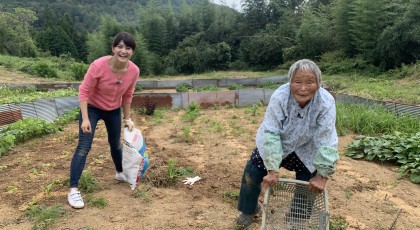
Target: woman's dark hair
(126,38)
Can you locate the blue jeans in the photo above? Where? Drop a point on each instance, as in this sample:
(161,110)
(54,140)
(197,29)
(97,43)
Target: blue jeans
(251,184)
(112,120)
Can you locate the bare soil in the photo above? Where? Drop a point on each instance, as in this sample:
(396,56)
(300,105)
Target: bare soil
(364,194)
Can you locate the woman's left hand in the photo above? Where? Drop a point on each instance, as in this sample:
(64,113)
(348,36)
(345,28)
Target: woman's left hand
(317,184)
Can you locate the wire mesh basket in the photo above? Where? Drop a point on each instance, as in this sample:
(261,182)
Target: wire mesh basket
(289,205)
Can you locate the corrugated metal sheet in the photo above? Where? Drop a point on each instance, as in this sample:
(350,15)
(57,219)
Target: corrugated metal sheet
(46,109)
(64,104)
(393,107)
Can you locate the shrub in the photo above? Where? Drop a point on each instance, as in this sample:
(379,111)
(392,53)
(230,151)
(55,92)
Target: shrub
(44,70)
(206,88)
(234,86)
(88,183)
(183,87)
(44,216)
(193,111)
(78,71)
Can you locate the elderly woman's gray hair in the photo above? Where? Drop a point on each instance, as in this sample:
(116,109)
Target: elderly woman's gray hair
(305,65)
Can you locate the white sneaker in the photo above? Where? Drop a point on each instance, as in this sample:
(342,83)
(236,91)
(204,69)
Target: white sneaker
(75,199)
(120,176)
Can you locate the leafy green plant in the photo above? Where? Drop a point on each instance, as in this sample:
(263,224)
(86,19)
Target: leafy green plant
(24,130)
(44,216)
(7,142)
(186,135)
(175,172)
(234,86)
(338,224)
(78,70)
(400,148)
(231,197)
(183,87)
(206,88)
(143,194)
(11,188)
(29,128)
(372,120)
(96,202)
(53,185)
(158,116)
(138,88)
(28,94)
(269,85)
(44,70)
(88,183)
(193,111)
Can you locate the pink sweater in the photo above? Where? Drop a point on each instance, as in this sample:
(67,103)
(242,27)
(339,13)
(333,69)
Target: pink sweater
(105,90)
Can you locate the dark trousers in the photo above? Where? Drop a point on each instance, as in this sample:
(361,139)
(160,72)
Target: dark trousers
(252,178)
(112,120)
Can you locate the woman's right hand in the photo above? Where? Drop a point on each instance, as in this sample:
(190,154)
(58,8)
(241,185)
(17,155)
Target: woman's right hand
(86,128)
(271,178)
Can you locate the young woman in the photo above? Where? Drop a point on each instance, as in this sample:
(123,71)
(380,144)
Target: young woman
(107,86)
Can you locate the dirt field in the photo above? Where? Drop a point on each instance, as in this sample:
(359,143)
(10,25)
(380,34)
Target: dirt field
(365,194)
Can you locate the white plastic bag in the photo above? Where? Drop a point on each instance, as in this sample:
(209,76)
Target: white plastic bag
(135,159)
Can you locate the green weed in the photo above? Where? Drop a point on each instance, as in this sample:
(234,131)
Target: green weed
(183,87)
(175,172)
(44,216)
(143,194)
(372,120)
(96,202)
(206,88)
(338,224)
(53,185)
(234,86)
(88,183)
(193,111)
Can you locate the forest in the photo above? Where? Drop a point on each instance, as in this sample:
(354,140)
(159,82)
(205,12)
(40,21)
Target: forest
(196,36)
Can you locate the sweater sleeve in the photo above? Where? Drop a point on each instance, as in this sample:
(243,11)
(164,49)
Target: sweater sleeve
(327,141)
(325,161)
(273,151)
(127,97)
(89,82)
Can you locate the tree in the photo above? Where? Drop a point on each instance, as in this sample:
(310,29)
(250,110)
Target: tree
(342,11)
(262,50)
(369,19)
(314,35)
(400,43)
(15,38)
(255,15)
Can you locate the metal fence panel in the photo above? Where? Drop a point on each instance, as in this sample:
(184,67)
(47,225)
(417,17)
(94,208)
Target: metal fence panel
(65,104)
(46,110)
(28,110)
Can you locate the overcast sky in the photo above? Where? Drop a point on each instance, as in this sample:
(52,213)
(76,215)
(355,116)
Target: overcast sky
(236,4)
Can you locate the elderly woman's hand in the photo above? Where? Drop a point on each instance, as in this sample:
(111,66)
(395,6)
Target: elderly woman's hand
(271,178)
(317,184)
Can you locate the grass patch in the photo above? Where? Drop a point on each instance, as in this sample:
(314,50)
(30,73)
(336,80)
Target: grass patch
(372,120)
(143,194)
(88,183)
(18,95)
(378,88)
(44,216)
(193,111)
(96,202)
(221,75)
(165,173)
(338,223)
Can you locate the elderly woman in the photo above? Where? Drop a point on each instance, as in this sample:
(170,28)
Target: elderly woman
(297,133)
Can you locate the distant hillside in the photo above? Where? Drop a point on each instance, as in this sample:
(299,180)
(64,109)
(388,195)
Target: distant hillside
(86,13)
